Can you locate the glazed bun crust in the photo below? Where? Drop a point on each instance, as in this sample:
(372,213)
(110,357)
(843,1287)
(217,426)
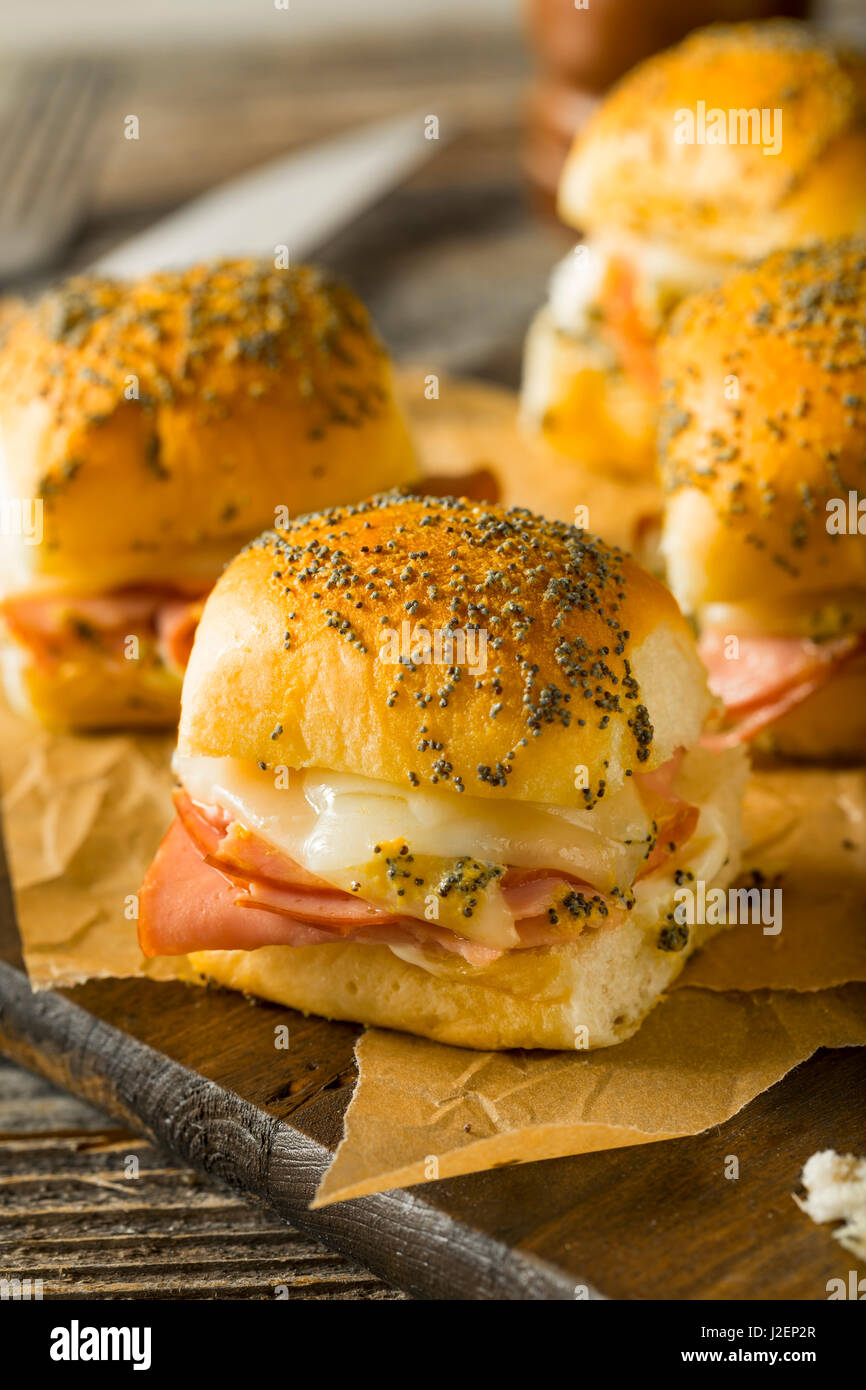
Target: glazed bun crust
(161,422)
(588,665)
(728,201)
(605,982)
(763,423)
(585,404)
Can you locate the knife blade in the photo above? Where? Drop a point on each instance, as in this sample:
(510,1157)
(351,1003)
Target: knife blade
(297,201)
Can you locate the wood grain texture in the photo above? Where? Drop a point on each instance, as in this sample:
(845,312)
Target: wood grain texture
(94,1211)
(660,1221)
(273,1150)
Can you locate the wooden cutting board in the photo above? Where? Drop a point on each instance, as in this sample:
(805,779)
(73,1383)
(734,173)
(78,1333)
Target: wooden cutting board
(197,1072)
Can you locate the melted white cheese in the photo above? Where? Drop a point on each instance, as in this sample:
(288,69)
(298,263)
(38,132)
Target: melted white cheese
(575,288)
(331,822)
(712,855)
(663,276)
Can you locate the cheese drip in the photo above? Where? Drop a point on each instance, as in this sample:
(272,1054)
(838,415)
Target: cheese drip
(372,838)
(350,831)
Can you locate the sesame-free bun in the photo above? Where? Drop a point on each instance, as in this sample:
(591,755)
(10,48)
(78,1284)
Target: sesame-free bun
(605,982)
(162,422)
(589,663)
(577,394)
(627,171)
(763,423)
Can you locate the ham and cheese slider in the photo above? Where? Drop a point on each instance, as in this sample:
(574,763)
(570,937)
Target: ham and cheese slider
(740,140)
(762,448)
(147,431)
(439,770)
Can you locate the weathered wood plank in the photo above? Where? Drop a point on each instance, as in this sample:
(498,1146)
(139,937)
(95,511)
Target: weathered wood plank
(71,1218)
(252,1141)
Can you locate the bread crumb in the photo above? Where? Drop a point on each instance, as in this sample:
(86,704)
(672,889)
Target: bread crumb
(836,1191)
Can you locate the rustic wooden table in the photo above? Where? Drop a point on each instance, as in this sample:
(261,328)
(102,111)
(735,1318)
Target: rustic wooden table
(71,1218)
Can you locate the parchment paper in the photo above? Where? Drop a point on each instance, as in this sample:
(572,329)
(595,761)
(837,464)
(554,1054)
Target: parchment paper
(806,835)
(83,817)
(422,1111)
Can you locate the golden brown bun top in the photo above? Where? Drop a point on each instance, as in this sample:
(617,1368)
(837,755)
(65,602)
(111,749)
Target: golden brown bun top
(589,662)
(728,201)
(162,421)
(764,413)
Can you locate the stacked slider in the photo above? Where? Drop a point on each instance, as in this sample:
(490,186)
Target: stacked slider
(741,140)
(476,835)
(153,428)
(762,450)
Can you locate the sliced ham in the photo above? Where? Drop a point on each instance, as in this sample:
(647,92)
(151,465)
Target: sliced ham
(658,784)
(191,901)
(671,835)
(623,327)
(336,911)
(215,885)
(530,892)
(768,677)
(186,904)
(221,837)
(278,880)
(50,617)
(245,857)
(51,626)
(176,623)
(675,819)
(532,895)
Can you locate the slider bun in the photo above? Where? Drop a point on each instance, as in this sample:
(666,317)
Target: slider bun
(748,478)
(289,645)
(626,171)
(90,691)
(578,396)
(257,388)
(606,981)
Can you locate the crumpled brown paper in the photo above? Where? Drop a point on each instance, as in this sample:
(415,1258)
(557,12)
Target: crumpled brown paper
(805,831)
(747,1009)
(82,817)
(422,1110)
